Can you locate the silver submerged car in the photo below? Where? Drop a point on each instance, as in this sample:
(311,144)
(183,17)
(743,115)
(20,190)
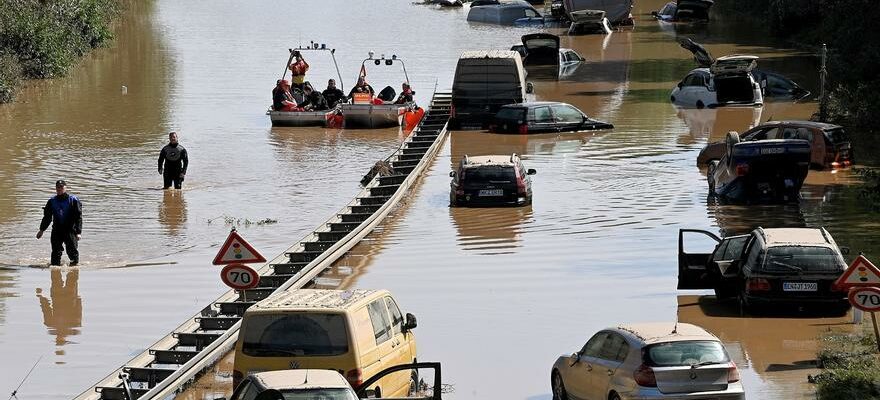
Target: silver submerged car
(648,361)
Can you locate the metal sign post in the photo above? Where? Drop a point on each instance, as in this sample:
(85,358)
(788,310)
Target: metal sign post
(867,299)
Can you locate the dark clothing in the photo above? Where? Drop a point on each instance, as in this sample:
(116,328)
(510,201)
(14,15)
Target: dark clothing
(366,88)
(279,97)
(333,96)
(64,212)
(175,160)
(315,102)
(405,97)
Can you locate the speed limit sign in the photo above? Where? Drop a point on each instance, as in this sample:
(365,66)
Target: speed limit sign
(865,298)
(239,276)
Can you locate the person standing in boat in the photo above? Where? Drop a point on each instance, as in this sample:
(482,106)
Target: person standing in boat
(298,69)
(406,95)
(332,94)
(314,100)
(173,162)
(282,99)
(361,87)
(64,212)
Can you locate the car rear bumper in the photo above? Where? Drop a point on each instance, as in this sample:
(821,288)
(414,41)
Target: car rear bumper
(734,392)
(519,201)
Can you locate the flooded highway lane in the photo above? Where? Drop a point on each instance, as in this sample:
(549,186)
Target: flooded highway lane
(499,293)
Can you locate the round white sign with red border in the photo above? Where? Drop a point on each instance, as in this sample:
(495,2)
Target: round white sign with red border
(239,276)
(865,298)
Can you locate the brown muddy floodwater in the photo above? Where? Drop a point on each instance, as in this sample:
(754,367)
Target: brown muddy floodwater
(499,293)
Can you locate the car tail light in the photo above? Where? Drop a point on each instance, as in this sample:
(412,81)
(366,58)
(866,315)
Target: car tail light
(732,373)
(523,129)
(355,377)
(520,183)
(237,376)
(757,285)
(644,376)
(742,169)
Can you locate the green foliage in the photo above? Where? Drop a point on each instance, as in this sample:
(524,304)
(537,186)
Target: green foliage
(851,366)
(10,77)
(47,37)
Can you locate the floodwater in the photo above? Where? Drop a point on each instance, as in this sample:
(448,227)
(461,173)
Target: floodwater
(499,293)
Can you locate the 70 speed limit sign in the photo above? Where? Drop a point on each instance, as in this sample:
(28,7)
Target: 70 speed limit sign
(239,276)
(865,298)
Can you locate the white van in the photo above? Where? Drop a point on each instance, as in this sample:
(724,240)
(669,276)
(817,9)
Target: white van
(355,332)
(484,81)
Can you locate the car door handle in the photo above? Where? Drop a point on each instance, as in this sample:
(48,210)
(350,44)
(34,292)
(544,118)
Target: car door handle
(610,372)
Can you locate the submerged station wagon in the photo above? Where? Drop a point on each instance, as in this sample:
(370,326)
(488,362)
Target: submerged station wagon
(490,180)
(543,117)
(727,82)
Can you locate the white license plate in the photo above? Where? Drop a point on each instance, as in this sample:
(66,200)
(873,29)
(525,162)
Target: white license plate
(491,192)
(800,286)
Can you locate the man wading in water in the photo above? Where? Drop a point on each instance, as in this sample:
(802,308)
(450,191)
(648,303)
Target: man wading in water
(64,212)
(175,161)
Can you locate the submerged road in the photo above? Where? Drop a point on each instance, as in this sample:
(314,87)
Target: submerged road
(499,292)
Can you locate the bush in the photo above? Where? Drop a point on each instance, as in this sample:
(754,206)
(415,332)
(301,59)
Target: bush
(851,367)
(10,77)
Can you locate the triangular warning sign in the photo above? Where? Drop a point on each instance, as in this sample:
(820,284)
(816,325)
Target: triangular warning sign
(860,273)
(236,250)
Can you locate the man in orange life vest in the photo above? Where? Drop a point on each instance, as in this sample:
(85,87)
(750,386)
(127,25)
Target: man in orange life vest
(298,69)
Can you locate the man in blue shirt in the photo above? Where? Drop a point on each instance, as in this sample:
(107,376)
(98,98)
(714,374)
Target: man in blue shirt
(64,212)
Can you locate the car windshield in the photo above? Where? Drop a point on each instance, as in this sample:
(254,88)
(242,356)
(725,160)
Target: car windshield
(319,394)
(490,174)
(685,353)
(512,113)
(300,334)
(837,136)
(802,258)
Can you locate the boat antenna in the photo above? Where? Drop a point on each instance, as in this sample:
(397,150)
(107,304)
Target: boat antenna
(14,392)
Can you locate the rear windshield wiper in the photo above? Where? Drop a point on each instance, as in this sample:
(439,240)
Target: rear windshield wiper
(704,363)
(794,267)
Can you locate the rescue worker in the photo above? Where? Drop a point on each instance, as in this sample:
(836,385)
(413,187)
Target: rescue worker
(406,95)
(298,69)
(173,162)
(64,212)
(332,94)
(361,87)
(282,99)
(314,100)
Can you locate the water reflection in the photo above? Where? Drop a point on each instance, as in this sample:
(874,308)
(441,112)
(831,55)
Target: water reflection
(172,211)
(7,285)
(62,310)
(490,231)
(702,123)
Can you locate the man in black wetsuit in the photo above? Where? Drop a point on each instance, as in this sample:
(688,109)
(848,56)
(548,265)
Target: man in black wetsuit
(173,161)
(64,212)
(314,99)
(332,94)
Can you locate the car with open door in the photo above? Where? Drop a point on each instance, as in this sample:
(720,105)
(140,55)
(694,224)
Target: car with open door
(727,82)
(664,360)
(328,384)
(773,266)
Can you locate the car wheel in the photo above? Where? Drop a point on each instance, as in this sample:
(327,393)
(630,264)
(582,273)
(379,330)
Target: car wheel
(700,104)
(723,291)
(558,387)
(672,98)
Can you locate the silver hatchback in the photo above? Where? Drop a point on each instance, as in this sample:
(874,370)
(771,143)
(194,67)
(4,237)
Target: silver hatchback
(648,361)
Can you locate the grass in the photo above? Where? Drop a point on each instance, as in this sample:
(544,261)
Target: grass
(46,38)
(851,365)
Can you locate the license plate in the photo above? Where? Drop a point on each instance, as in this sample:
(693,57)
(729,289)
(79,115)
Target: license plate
(800,286)
(491,192)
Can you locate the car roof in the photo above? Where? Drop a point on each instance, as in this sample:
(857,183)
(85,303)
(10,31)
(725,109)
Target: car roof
(509,4)
(811,124)
(489,54)
(662,332)
(317,299)
(795,237)
(300,379)
(492,159)
(533,104)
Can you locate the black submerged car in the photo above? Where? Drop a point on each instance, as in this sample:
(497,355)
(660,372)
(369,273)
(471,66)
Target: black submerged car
(491,180)
(543,117)
(780,266)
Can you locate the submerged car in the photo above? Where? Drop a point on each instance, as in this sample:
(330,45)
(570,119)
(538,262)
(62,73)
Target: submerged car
(684,10)
(543,117)
(648,361)
(829,145)
(541,50)
(618,12)
(491,180)
(760,170)
(780,266)
(727,82)
(516,12)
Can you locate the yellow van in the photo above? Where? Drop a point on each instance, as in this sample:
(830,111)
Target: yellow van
(355,332)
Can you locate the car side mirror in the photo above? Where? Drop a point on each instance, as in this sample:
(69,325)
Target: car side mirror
(410,323)
(531,171)
(452,174)
(844,250)
(680,85)
(574,358)
(530,88)
(371,394)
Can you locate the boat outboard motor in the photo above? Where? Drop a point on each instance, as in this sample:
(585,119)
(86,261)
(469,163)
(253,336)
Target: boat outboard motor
(387,94)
